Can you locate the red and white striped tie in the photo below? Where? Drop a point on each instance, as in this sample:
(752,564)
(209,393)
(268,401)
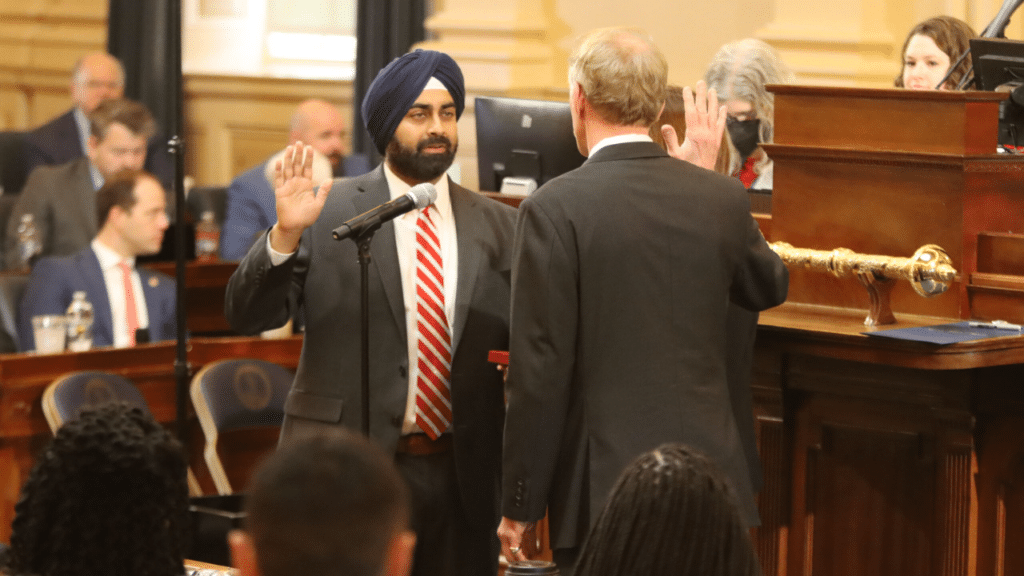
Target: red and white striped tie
(434,342)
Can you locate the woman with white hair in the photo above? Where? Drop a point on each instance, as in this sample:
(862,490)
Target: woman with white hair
(739,72)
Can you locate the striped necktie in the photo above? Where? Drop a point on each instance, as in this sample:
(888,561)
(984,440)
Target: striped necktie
(434,343)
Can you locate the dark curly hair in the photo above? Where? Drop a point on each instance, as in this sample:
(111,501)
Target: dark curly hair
(671,512)
(108,497)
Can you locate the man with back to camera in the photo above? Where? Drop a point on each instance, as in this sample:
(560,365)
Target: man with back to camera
(622,273)
(95,78)
(325,505)
(62,198)
(133,209)
(250,198)
(435,311)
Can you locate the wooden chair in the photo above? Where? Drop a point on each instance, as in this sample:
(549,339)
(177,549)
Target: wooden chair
(66,397)
(239,402)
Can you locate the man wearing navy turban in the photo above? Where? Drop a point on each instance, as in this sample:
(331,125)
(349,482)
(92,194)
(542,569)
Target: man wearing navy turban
(410,111)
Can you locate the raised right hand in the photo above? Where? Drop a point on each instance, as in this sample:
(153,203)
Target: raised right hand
(298,205)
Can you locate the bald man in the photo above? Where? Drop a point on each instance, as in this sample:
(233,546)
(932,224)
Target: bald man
(250,202)
(95,78)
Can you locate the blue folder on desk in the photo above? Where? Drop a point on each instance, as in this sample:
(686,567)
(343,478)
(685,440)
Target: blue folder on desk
(945,333)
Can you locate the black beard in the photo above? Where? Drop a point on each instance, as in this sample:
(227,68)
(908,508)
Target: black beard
(417,166)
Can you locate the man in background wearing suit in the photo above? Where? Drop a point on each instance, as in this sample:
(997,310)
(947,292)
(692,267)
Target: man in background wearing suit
(330,504)
(96,78)
(126,301)
(250,198)
(438,303)
(623,270)
(62,198)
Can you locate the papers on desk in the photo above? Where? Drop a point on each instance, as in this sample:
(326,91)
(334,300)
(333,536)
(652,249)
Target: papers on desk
(951,333)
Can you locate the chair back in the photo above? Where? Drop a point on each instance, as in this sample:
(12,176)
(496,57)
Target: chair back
(12,288)
(236,394)
(69,394)
(66,397)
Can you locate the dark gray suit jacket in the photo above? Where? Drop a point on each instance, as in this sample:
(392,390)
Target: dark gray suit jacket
(63,201)
(325,276)
(622,275)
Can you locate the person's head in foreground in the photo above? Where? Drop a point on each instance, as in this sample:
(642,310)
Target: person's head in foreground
(329,505)
(671,512)
(930,49)
(108,496)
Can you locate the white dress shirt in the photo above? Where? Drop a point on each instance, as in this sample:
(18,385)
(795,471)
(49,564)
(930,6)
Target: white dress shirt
(113,278)
(621,139)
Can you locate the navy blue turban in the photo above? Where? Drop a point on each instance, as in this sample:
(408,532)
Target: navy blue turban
(400,83)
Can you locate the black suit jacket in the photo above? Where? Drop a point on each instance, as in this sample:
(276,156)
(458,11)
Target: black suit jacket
(324,274)
(622,276)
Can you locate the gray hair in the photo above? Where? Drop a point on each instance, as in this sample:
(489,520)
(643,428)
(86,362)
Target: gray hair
(739,71)
(622,74)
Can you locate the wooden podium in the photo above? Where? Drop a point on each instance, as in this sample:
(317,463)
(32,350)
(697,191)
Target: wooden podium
(885,457)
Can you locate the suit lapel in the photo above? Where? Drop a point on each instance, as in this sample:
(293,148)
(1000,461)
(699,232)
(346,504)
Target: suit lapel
(466,231)
(383,250)
(89,267)
(150,291)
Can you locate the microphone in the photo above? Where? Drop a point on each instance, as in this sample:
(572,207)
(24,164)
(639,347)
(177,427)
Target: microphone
(419,196)
(997,27)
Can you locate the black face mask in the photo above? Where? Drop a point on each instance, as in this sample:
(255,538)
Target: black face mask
(745,134)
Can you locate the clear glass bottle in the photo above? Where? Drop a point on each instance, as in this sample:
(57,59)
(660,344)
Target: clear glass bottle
(29,243)
(207,237)
(79,323)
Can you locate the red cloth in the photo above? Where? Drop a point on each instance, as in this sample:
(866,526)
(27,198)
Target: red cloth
(746,173)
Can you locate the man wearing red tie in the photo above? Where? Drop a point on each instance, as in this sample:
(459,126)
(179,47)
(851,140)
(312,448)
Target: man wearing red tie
(130,305)
(438,302)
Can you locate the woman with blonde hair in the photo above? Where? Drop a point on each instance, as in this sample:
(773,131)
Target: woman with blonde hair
(739,72)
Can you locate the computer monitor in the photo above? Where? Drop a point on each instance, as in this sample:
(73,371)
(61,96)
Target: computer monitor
(999,64)
(523,140)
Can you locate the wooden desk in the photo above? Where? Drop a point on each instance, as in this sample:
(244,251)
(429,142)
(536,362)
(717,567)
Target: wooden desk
(887,457)
(205,284)
(24,377)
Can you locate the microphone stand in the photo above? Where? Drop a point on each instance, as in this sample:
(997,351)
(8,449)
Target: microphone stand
(363,243)
(952,68)
(176,148)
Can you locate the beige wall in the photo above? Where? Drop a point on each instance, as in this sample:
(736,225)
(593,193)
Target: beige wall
(513,47)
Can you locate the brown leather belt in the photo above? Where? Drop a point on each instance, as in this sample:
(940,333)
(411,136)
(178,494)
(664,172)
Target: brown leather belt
(422,445)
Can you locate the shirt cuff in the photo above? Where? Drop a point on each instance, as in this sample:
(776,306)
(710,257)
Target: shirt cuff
(277,258)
